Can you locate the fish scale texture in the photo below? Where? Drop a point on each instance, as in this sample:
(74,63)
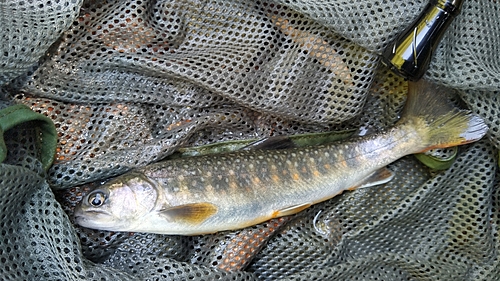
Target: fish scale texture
(128,82)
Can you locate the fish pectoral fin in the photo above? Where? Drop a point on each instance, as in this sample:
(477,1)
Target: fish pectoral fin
(381,176)
(194,213)
(291,210)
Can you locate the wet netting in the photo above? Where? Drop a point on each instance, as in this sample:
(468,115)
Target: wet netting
(128,83)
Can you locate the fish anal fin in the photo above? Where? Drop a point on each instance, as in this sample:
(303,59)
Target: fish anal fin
(291,210)
(380,176)
(193,213)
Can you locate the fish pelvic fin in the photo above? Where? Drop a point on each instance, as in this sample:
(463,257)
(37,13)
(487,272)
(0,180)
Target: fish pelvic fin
(290,210)
(437,123)
(194,213)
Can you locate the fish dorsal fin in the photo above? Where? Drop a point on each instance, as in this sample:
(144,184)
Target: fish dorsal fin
(194,213)
(381,176)
(291,210)
(270,143)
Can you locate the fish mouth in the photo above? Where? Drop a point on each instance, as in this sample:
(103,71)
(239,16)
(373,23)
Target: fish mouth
(78,219)
(89,218)
(82,211)
(81,220)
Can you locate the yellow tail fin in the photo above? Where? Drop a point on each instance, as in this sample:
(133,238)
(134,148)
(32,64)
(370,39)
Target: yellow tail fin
(437,122)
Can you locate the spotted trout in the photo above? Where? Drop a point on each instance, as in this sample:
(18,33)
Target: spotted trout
(211,193)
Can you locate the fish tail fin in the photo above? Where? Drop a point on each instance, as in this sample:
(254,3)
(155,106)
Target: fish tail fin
(438,123)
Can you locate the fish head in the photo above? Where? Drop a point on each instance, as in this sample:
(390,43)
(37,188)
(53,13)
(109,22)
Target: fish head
(117,205)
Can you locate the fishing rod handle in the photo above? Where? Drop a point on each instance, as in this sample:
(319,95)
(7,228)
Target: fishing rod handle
(410,54)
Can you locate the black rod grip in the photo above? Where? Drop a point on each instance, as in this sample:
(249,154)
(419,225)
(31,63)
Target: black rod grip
(410,54)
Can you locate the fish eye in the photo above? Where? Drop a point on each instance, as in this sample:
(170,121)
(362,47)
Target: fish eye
(97,199)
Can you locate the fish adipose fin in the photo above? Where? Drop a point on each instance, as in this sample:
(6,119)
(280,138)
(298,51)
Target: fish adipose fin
(381,176)
(437,123)
(291,210)
(194,213)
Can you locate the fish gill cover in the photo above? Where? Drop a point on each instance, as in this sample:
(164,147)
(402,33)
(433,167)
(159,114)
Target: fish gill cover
(128,82)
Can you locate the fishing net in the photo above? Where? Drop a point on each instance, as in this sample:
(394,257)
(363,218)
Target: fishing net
(127,83)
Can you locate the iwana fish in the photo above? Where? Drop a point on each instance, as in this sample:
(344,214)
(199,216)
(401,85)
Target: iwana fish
(207,194)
